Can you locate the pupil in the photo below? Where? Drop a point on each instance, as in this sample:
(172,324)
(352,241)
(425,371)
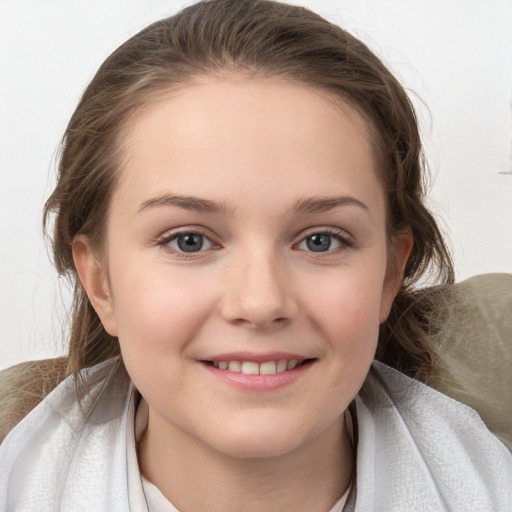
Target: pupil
(190,243)
(318,243)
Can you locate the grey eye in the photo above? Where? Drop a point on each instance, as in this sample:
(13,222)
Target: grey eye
(190,242)
(318,243)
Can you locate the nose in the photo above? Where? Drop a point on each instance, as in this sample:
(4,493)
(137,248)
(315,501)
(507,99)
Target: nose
(258,292)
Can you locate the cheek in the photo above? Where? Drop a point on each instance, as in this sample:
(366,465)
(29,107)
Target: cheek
(159,308)
(345,309)
(350,301)
(159,315)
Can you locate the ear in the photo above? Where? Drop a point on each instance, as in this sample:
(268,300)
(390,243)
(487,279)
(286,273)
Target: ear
(401,249)
(94,278)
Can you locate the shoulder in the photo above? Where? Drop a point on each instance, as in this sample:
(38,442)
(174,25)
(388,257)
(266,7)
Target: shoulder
(422,443)
(40,387)
(24,386)
(427,411)
(65,446)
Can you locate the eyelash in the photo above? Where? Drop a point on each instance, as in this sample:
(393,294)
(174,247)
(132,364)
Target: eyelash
(168,238)
(340,236)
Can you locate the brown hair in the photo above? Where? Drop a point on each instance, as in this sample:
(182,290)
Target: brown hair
(264,39)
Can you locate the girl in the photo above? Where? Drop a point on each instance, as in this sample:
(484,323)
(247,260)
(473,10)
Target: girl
(240,205)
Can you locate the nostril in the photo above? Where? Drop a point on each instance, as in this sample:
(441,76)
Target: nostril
(260,323)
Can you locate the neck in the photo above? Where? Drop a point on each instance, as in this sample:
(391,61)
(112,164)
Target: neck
(193,476)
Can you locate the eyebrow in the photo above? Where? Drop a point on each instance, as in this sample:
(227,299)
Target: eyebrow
(187,202)
(324,204)
(309,205)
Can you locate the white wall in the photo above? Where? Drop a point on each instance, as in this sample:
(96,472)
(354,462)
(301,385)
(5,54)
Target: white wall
(455,54)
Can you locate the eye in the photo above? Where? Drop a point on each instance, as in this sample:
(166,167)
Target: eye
(323,242)
(189,242)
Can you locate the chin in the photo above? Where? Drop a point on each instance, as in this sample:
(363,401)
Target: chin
(257,441)
(251,448)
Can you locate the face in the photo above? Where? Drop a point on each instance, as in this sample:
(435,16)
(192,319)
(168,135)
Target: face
(244,270)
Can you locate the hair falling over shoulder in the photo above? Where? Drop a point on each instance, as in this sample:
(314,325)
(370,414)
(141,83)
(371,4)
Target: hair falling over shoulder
(259,38)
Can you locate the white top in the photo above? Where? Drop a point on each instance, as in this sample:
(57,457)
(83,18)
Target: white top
(417,450)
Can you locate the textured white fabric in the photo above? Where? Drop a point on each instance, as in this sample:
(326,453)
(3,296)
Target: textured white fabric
(422,451)
(70,455)
(417,451)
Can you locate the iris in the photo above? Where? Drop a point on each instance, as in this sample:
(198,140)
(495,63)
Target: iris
(319,242)
(190,242)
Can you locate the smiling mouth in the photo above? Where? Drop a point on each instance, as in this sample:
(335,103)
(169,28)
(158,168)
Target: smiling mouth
(254,368)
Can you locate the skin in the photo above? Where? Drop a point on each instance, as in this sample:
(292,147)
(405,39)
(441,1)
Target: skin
(256,148)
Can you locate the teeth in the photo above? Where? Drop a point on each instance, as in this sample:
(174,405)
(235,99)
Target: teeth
(235,366)
(281,365)
(291,364)
(253,368)
(268,368)
(250,368)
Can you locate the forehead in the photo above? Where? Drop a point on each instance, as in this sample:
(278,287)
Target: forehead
(228,135)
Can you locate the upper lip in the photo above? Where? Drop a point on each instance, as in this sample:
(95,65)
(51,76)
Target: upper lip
(257,357)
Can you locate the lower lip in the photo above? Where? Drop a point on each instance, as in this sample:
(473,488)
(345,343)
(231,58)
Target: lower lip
(259,383)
